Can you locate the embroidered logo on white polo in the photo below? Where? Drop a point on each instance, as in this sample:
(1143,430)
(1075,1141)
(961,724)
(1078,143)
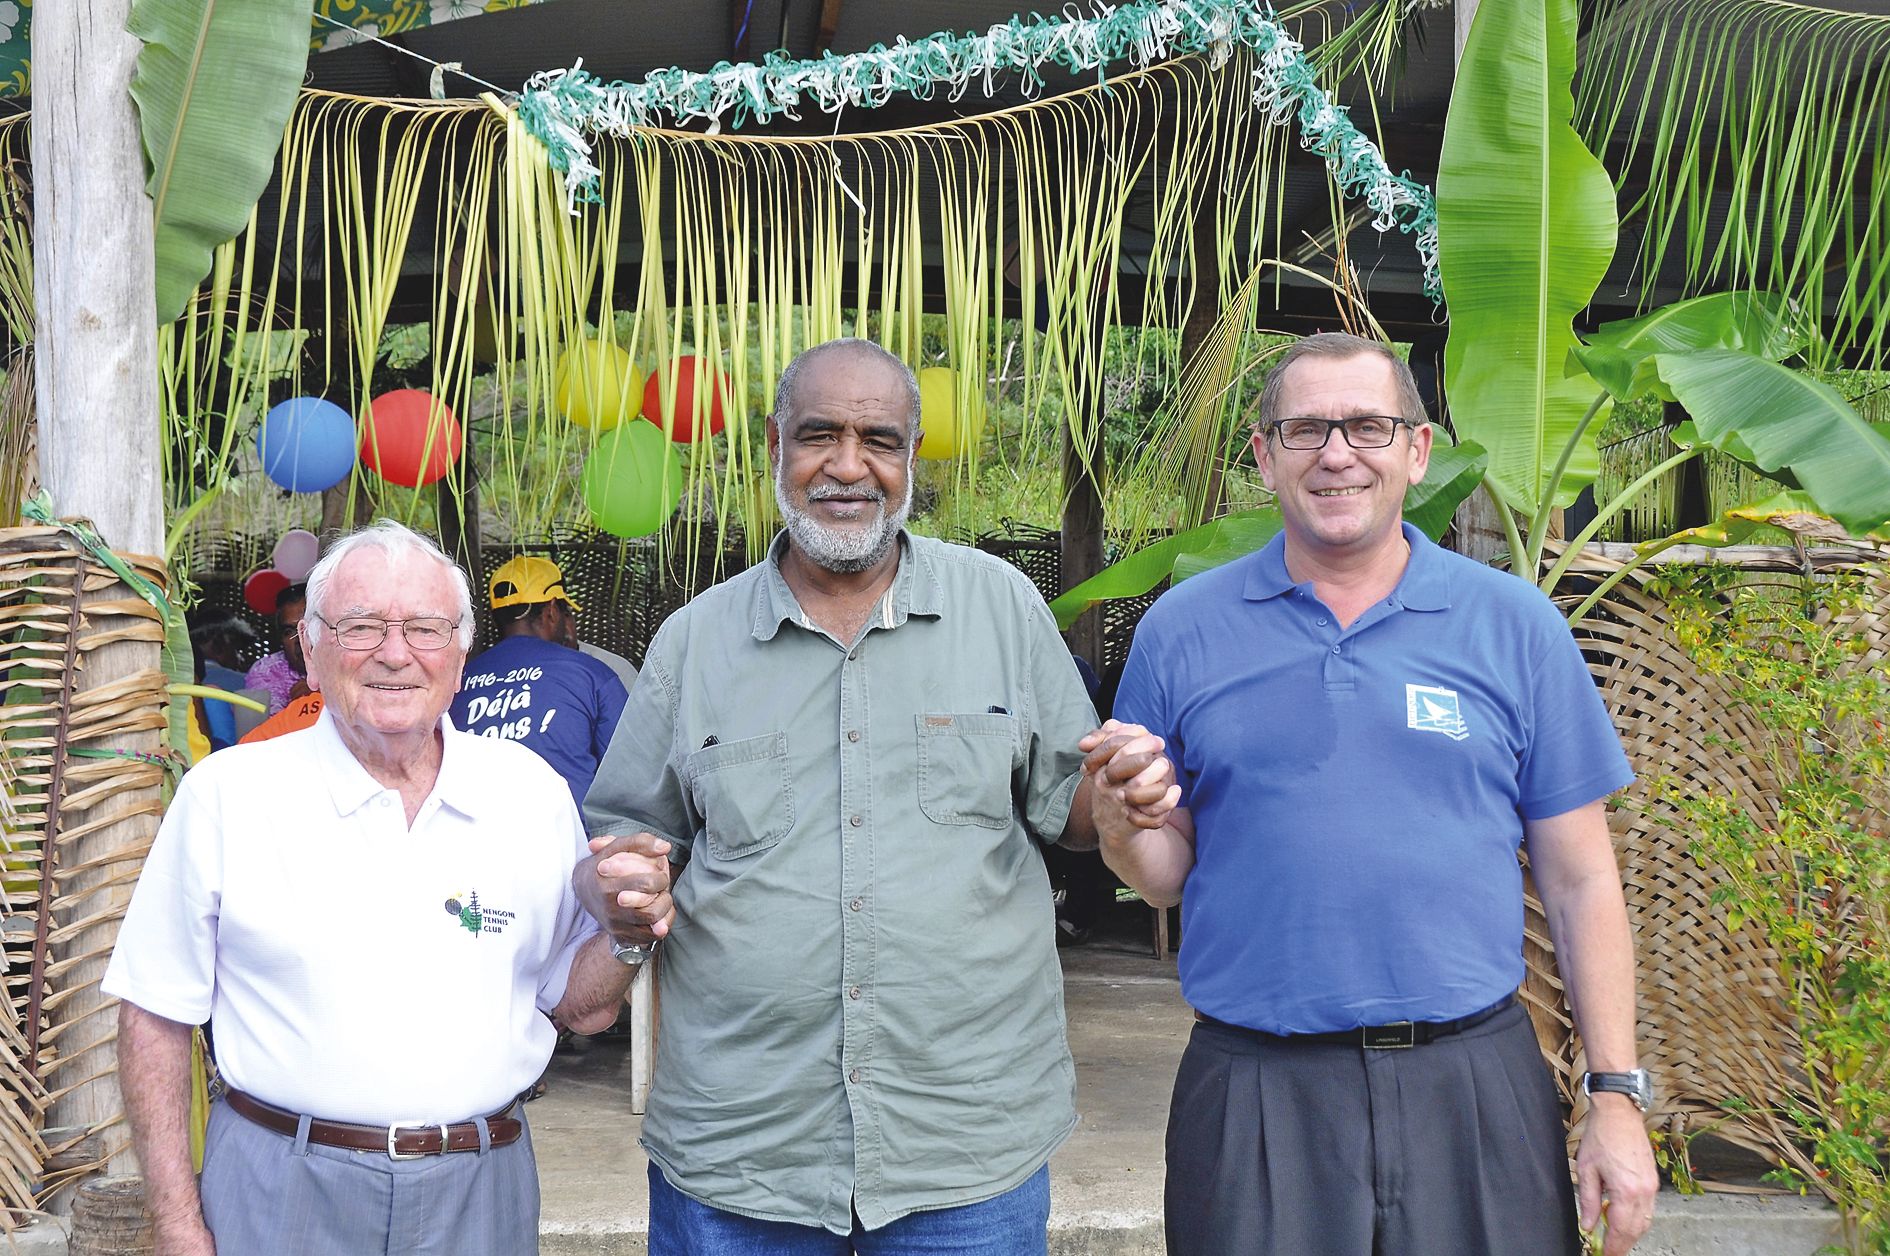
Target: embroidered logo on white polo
(1429,709)
(476,917)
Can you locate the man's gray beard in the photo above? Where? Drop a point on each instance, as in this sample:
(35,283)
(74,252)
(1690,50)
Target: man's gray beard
(843,552)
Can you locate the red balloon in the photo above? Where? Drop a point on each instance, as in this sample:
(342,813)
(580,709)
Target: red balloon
(395,439)
(262,588)
(689,370)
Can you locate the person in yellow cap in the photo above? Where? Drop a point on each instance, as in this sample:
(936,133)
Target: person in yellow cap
(535,686)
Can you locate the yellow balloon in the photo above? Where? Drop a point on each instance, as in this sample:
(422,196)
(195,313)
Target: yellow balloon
(948,433)
(598,384)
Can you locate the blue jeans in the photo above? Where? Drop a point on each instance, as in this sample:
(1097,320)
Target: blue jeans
(1013,1224)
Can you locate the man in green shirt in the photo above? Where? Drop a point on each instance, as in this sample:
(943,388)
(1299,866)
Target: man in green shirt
(853,749)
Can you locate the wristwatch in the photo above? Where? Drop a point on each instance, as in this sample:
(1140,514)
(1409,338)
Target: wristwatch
(632,954)
(1636,1084)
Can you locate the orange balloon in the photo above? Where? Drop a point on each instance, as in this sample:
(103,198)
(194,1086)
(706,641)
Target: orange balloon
(409,437)
(687,372)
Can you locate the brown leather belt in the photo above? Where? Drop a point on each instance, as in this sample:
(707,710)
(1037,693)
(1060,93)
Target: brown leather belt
(404,1140)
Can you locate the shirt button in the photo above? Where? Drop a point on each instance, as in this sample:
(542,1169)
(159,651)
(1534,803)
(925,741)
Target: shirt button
(853,734)
(856,821)
(1322,621)
(856,904)
(854,993)
(854,1077)
(1336,649)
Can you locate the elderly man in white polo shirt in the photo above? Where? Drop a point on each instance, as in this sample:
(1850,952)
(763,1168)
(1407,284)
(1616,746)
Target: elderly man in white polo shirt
(375,916)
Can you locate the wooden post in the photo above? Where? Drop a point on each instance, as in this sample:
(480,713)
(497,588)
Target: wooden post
(96,349)
(1203,311)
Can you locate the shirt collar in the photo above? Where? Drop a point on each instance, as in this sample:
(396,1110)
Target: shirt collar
(1424,586)
(353,787)
(915,590)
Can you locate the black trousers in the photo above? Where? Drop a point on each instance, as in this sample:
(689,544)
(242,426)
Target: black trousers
(1451,1148)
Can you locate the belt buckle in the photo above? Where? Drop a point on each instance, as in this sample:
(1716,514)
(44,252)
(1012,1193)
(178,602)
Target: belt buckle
(1396,1036)
(393,1132)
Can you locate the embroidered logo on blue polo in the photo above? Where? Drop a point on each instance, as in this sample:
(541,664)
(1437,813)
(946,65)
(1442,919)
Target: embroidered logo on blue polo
(1432,710)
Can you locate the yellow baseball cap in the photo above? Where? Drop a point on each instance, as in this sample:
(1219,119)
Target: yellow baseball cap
(527,579)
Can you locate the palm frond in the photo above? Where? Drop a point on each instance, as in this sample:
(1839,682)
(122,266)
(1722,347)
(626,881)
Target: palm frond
(1750,145)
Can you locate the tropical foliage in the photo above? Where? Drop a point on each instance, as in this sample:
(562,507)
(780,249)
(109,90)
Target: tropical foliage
(1512,285)
(214,85)
(1810,870)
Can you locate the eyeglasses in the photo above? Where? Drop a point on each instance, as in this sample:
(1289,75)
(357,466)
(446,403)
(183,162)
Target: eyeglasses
(360,632)
(1362,431)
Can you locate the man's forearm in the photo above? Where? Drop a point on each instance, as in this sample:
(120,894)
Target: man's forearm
(594,989)
(154,1076)
(1594,953)
(1079,830)
(1155,863)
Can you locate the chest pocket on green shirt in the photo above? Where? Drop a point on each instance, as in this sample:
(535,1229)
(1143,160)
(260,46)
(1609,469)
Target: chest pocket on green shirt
(965,764)
(742,790)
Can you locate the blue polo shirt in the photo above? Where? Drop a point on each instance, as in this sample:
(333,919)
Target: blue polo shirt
(1358,794)
(560,702)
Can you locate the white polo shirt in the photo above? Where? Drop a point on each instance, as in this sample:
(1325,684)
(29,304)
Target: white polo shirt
(350,967)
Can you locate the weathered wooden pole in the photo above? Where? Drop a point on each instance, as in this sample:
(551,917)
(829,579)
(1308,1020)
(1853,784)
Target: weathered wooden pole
(96,347)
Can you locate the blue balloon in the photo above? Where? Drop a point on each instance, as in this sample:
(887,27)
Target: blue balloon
(307,444)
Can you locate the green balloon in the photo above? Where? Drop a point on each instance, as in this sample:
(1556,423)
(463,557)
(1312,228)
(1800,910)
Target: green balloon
(633,479)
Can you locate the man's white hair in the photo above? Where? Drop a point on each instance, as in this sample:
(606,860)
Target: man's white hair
(392,539)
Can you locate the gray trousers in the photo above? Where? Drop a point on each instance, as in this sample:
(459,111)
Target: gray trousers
(268,1194)
(1452,1148)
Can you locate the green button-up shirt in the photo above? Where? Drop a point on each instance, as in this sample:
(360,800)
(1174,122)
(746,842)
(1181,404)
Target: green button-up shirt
(862,1007)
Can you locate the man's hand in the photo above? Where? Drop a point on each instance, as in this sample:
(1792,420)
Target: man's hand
(1132,783)
(625,886)
(1616,1161)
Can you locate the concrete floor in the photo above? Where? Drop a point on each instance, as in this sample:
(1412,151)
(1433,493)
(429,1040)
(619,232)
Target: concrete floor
(1128,1025)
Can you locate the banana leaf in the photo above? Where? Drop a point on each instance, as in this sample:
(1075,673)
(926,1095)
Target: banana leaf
(1786,421)
(1149,566)
(1454,474)
(1686,435)
(214,85)
(1616,354)
(1526,227)
(1792,511)
(1239,538)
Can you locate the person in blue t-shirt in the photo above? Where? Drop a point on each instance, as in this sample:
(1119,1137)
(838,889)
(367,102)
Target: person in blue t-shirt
(1330,752)
(535,686)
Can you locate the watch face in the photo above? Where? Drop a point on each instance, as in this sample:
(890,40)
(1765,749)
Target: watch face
(632,952)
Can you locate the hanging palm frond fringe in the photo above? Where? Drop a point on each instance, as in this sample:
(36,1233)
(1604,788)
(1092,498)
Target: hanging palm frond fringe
(82,801)
(740,250)
(1783,106)
(564,107)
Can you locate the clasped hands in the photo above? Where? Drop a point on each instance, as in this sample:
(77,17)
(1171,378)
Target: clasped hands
(625,884)
(1132,782)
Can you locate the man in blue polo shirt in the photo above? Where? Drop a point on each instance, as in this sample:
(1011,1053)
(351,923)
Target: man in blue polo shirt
(1330,753)
(535,686)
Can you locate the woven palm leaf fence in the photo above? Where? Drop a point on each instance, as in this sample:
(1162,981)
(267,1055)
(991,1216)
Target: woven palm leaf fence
(68,780)
(1716,1021)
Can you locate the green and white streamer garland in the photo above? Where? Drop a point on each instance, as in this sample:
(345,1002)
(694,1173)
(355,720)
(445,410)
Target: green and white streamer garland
(561,107)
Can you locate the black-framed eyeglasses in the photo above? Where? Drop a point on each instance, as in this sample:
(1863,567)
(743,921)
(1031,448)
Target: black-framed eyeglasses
(363,632)
(1362,431)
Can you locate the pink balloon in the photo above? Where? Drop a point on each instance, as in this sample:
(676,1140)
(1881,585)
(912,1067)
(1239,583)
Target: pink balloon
(295,554)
